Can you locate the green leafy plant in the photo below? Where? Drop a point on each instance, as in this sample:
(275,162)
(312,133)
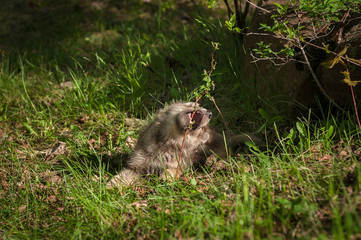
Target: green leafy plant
(268,120)
(231,24)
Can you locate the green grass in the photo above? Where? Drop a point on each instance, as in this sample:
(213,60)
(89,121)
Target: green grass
(71,94)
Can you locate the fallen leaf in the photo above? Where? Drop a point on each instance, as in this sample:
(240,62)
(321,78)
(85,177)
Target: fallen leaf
(139,204)
(316,148)
(344,154)
(67,84)
(58,149)
(170,174)
(22,208)
(52,199)
(326,157)
(5,185)
(178,234)
(55,179)
(81,120)
(130,142)
(349,190)
(95,178)
(2,135)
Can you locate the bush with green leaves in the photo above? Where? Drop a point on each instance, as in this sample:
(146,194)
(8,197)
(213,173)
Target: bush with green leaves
(311,15)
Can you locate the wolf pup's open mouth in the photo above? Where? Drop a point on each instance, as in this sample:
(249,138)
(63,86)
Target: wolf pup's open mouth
(196,120)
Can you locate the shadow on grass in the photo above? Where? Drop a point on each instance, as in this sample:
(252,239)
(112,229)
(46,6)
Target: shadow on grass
(61,31)
(113,164)
(40,30)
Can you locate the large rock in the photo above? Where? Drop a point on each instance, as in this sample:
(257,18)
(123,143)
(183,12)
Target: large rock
(292,81)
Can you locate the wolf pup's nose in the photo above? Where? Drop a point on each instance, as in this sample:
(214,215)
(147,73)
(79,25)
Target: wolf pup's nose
(209,113)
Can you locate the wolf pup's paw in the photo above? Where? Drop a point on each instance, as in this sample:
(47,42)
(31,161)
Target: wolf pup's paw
(125,178)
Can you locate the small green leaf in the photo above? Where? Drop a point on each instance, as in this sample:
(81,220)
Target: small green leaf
(232,20)
(276,119)
(278,5)
(292,134)
(330,131)
(263,113)
(193,182)
(300,128)
(174,93)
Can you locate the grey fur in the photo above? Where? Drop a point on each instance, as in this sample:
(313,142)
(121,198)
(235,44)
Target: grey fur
(160,143)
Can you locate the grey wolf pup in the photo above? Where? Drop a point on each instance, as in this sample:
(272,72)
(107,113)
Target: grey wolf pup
(160,144)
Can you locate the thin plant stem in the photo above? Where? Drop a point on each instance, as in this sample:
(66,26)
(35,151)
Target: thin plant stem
(195,106)
(184,138)
(354,103)
(353,95)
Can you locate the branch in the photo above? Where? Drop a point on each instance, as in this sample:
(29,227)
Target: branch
(277,60)
(238,10)
(230,12)
(256,6)
(244,15)
(342,57)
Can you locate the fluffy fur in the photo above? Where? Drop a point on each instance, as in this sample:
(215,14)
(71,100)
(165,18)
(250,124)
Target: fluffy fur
(160,143)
